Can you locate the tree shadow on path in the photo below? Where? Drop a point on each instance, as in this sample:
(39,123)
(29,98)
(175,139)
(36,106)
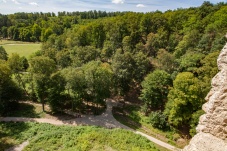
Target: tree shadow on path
(24,110)
(10,134)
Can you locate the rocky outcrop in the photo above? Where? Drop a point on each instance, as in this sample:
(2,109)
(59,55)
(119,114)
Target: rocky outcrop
(206,142)
(212,128)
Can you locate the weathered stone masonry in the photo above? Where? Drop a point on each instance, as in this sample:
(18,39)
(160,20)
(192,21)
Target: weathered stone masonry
(212,128)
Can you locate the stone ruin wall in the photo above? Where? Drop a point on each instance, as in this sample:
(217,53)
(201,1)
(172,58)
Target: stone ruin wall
(212,128)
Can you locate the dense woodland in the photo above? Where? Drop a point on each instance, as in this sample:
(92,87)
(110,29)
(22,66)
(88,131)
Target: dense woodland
(86,57)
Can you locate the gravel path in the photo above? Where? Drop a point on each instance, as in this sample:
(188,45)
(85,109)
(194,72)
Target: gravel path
(105,120)
(19,147)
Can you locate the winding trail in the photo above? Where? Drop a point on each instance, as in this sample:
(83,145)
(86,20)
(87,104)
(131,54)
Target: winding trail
(104,120)
(18,147)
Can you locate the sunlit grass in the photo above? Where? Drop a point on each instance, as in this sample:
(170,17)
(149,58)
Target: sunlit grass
(22,48)
(132,116)
(65,138)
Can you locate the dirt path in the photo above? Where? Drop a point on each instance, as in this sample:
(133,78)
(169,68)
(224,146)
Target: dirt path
(19,147)
(105,120)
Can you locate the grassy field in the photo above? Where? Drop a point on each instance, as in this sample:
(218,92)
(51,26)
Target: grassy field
(131,116)
(67,138)
(22,48)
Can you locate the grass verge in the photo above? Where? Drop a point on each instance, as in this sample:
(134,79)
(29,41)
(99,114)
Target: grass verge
(27,110)
(34,110)
(48,137)
(131,116)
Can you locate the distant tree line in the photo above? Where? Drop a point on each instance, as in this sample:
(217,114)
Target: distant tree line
(33,27)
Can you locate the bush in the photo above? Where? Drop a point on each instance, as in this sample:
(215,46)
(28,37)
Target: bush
(158,120)
(9,96)
(194,121)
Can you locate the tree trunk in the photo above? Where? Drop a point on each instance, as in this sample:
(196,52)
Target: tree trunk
(43,106)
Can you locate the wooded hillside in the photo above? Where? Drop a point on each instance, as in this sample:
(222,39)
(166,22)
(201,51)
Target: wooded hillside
(89,56)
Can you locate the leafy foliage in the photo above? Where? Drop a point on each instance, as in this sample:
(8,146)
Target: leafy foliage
(208,70)
(9,91)
(3,54)
(194,121)
(72,138)
(165,61)
(56,91)
(89,56)
(123,65)
(155,89)
(183,99)
(98,78)
(158,120)
(190,61)
(75,85)
(41,69)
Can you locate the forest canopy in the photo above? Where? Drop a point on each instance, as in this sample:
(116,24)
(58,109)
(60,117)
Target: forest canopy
(170,57)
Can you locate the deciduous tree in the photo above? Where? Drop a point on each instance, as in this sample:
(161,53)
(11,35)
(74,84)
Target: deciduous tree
(155,89)
(41,69)
(184,99)
(3,53)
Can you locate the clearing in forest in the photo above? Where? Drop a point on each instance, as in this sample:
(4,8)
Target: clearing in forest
(22,48)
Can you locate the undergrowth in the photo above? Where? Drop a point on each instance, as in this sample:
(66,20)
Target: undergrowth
(67,138)
(131,116)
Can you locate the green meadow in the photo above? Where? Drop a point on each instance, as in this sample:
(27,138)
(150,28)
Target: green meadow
(22,48)
(67,138)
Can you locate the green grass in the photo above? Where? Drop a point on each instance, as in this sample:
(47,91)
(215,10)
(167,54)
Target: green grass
(131,116)
(5,42)
(67,138)
(34,110)
(22,48)
(27,110)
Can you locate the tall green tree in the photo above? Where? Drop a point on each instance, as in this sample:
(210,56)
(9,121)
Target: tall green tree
(165,61)
(98,35)
(145,24)
(85,54)
(36,32)
(123,66)
(3,53)
(4,32)
(207,71)
(46,33)
(190,62)
(5,77)
(41,69)
(63,58)
(155,89)
(9,91)
(98,78)
(75,85)
(56,92)
(16,66)
(184,99)
(25,34)
(141,67)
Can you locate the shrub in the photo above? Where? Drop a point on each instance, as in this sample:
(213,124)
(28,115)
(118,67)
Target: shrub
(194,121)
(158,120)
